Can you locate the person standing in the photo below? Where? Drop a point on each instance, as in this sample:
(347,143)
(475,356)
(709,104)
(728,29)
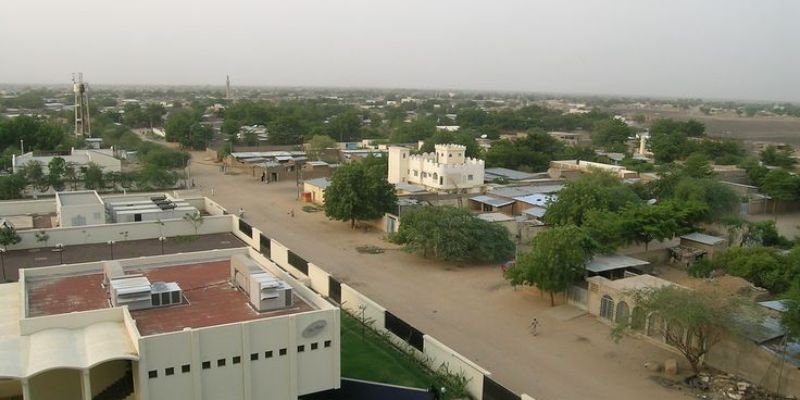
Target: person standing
(534,326)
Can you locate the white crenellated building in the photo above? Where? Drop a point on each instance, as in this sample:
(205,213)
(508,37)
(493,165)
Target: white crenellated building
(446,169)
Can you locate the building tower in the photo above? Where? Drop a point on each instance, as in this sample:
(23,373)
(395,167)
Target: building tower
(83,126)
(228,87)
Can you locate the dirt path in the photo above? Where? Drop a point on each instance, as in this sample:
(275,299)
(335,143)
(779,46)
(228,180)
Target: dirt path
(470,308)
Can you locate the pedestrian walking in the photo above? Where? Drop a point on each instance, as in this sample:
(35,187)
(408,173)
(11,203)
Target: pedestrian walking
(291,213)
(241,212)
(263,176)
(534,326)
(212,192)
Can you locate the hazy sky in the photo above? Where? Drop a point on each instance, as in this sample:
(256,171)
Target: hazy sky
(744,49)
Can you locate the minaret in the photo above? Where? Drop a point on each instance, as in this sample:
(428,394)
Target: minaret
(83,126)
(228,87)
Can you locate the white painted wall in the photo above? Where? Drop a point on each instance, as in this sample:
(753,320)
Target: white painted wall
(439,355)
(24,207)
(92,214)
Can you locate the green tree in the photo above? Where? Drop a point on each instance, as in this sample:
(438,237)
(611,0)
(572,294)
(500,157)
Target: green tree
(8,236)
(93,177)
(611,135)
(194,219)
(11,186)
(34,174)
(763,266)
(693,320)
(357,192)
(56,170)
(778,157)
(780,185)
(697,165)
(453,234)
(643,223)
(71,175)
(718,198)
(594,191)
(557,259)
(791,317)
(318,144)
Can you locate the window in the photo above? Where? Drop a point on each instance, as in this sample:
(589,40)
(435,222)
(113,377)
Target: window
(623,312)
(221,362)
(314,346)
(176,298)
(404,155)
(165,298)
(237,359)
(186,368)
(206,364)
(169,371)
(441,180)
(607,308)
(416,173)
(253,356)
(327,343)
(301,348)
(152,374)
(156,299)
(282,352)
(268,354)
(469,177)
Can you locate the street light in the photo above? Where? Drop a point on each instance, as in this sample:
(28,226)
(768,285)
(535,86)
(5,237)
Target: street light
(111,246)
(60,249)
(162,239)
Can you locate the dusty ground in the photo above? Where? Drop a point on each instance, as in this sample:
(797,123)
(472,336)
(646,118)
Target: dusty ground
(470,308)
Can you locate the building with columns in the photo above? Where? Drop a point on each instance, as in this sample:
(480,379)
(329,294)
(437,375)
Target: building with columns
(446,169)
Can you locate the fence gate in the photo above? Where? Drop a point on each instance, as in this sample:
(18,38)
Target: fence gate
(578,297)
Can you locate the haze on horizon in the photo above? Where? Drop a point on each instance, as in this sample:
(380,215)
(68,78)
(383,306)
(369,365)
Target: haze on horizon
(735,49)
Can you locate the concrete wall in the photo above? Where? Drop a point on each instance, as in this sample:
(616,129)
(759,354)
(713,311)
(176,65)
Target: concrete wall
(275,376)
(441,355)
(69,236)
(742,357)
(8,208)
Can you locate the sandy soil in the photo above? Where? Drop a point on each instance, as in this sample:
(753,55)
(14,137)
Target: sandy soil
(470,308)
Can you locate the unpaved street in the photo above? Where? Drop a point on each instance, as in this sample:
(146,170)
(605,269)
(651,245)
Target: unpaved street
(470,308)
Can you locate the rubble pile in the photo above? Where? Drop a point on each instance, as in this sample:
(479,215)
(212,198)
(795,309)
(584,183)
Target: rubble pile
(728,387)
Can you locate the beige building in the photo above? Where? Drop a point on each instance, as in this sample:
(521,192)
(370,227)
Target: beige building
(221,324)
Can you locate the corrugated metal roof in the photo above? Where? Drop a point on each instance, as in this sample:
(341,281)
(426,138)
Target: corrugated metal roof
(609,263)
(521,191)
(319,182)
(409,187)
(776,305)
(537,212)
(760,330)
(492,201)
(538,199)
(511,174)
(703,238)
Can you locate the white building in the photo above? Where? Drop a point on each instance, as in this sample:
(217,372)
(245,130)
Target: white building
(78,157)
(80,208)
(220,324)
(446,169)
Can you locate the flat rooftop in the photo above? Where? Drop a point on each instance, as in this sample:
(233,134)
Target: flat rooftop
(78,198)
(208,298)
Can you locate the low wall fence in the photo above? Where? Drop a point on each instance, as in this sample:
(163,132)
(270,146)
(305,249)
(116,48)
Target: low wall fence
(434,353)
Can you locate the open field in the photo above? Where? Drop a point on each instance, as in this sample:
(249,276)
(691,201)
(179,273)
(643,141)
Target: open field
(757,128)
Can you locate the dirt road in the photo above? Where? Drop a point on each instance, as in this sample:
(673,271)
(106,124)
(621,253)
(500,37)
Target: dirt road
(470,308)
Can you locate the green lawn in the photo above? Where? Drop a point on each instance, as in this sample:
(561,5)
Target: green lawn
(371,358)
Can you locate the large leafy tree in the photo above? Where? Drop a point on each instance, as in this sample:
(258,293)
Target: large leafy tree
(453,234)
(11,186)
(93,178)
(643,223)
(594,191)
(531,153)
(611,134)
(693,320)
(318,144)
(556,260)
(781,186)
(56,170)
(34,174)
(359,191)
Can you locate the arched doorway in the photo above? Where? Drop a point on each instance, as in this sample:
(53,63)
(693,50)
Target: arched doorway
(57,384)
(623,313)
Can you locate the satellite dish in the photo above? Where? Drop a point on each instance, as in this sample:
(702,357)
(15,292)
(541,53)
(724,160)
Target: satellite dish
(484,136)
(314,328)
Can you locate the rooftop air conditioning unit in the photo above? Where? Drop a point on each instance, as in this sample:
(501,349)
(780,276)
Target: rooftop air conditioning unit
(267,293)
(165,294)
(132,291)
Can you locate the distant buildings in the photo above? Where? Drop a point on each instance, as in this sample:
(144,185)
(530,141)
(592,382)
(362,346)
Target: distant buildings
(446,169)
(80,158)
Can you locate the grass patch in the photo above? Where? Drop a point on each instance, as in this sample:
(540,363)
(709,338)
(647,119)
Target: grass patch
(370,358)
